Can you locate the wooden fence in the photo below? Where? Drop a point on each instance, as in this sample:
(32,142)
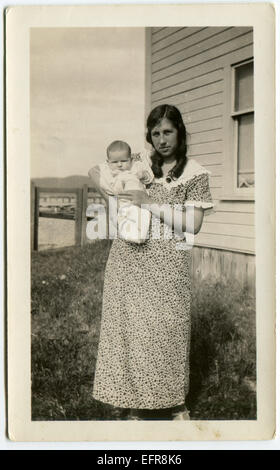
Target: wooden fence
(81,196)
(207,262)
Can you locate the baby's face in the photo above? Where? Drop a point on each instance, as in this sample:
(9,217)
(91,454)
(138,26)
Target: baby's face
(119,160)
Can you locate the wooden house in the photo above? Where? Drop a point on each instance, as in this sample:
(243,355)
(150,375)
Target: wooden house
(208,72)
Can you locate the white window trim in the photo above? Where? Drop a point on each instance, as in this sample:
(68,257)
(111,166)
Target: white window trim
(230,189)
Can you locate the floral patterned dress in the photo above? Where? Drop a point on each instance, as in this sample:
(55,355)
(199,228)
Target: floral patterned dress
(143,354)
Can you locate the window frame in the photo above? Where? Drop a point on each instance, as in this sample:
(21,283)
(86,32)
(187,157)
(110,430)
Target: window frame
(230,189)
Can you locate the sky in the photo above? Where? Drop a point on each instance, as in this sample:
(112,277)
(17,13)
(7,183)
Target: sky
(86,90)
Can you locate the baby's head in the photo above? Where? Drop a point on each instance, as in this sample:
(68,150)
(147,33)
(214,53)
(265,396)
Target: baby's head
(119,156)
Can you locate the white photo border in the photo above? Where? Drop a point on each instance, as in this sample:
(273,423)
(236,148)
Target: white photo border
(18,21)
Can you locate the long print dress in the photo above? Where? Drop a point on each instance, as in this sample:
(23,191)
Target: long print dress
(143,354)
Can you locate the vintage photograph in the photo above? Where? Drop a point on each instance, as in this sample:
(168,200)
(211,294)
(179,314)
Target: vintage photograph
(140,223)
(127,328)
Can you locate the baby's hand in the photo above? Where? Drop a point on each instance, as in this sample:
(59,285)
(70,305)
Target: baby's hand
(118,187)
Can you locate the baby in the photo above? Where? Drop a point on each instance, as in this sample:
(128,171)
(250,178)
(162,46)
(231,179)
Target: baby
(121,173)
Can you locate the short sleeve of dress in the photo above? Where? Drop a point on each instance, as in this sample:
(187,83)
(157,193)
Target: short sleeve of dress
(198,193)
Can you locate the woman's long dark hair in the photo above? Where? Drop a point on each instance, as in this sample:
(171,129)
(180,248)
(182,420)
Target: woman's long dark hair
(173,115)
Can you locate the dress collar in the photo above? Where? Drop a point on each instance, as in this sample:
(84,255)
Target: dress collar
(191,170)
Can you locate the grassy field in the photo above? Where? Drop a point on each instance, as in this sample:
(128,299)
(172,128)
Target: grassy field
(55,233)
(66,308)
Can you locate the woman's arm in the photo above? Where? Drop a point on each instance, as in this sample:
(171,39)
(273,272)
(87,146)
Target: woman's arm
(94,174)
(189,220)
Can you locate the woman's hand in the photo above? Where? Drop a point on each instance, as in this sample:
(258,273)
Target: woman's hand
(137,197)
(94,174)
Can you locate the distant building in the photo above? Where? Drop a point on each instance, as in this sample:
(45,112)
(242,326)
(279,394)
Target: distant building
(61,199)
(56,199)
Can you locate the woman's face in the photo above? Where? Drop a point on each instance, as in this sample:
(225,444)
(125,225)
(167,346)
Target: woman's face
(165,138)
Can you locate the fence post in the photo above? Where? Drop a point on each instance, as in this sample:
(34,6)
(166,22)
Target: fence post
(34,217)
(107,219)
(84,203)
(78,224)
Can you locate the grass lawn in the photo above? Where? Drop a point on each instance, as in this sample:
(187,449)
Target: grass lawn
(66,309)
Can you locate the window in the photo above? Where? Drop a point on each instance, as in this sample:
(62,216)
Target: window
(243,115)
(239,165)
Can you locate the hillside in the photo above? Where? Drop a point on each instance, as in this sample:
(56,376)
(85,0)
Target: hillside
(73,181)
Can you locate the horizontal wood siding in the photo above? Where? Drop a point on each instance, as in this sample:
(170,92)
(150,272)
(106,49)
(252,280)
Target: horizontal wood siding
(187,70)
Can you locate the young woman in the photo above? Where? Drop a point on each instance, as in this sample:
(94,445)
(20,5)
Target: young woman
(143,355)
